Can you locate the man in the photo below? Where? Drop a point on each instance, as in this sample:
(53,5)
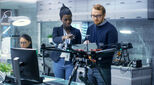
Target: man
(101,33)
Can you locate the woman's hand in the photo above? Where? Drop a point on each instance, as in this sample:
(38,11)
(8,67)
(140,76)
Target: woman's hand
(69,36)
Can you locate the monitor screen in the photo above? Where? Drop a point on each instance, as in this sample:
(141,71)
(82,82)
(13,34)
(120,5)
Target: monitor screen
(28,66)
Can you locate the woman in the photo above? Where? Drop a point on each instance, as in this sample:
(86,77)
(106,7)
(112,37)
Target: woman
(63,36)
(25,41)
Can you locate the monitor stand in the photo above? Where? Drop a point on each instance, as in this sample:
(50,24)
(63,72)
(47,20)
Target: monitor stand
(18,79)
(16,70)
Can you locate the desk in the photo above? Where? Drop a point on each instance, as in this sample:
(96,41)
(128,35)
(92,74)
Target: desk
(60,81)
(131,76)
(53,81)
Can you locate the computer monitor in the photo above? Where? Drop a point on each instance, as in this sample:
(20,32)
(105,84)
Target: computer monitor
(28,64)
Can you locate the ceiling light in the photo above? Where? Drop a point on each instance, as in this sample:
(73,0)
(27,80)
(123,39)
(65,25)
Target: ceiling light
(126,31)
(20,21)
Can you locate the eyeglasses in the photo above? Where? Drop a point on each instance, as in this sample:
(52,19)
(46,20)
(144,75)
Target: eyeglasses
(23,42)
(96,16)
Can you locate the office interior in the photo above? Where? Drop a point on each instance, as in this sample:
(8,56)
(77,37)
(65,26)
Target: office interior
(133,19)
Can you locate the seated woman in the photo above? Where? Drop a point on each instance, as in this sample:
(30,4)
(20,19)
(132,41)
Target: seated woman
(25,41)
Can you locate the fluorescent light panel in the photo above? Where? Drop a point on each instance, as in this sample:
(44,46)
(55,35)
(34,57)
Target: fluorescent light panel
(126,31)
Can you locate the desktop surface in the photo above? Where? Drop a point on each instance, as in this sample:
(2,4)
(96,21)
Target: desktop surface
(48,80)
(58,81)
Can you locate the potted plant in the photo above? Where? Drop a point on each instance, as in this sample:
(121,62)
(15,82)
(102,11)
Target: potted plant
(6,68)
(50,38)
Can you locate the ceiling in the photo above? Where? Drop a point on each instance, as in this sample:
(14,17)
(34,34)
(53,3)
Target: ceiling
(15,4)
